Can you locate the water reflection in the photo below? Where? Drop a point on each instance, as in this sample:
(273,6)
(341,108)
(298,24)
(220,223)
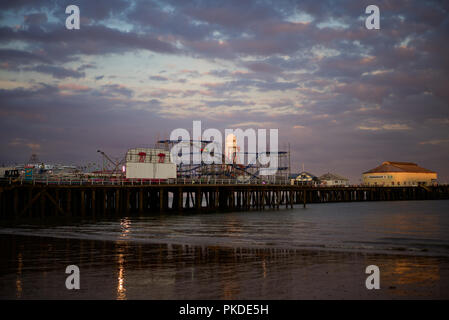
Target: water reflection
(230,289)
(124,270)
(19,275)
(407,223)
(405,273)
(121,290)
(416,227)
(264,267)
(125,227)
(120,251)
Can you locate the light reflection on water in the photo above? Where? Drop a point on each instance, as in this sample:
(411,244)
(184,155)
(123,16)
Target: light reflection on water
(19,275)
(248,255)
(121,290)
(125,227)
(415,227)
(123,270)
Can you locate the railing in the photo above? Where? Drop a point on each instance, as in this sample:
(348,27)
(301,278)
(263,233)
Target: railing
(99,181)
(178,181)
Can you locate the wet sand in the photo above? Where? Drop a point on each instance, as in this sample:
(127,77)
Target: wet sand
(34,268)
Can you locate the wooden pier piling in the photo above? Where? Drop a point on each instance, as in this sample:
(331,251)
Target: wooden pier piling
(41,200)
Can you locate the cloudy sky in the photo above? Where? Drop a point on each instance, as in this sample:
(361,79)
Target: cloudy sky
(344,97)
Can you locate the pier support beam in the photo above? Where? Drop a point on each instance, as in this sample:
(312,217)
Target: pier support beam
(304,198)
(65,200)
(117,202)
(83,204)
(198,199)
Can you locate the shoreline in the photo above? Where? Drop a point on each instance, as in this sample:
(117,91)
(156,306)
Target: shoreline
(411,252)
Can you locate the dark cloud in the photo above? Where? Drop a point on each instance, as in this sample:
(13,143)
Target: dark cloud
(24,4)
(263,67)
(40,91)
(158,78)
(71,128)
(97,10)
(57,72)
(36,19)
(86,66)
(242,85)
(154,16)
(235,15)
(61,44)
(12,59)
(117,89)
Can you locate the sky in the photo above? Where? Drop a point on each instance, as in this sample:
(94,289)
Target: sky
(344,97)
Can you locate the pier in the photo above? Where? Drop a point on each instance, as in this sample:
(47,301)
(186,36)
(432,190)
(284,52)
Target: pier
(19,200)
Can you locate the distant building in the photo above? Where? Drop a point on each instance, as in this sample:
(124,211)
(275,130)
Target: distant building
(148,163)
(332,179)
(305,178)
(7,172)
(392,173)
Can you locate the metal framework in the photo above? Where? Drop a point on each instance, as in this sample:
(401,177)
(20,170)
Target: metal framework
(229,168)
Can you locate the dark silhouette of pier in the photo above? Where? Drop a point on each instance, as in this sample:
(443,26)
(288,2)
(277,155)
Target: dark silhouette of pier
(91,200)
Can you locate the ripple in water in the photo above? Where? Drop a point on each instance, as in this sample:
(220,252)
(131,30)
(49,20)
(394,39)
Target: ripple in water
(414,227)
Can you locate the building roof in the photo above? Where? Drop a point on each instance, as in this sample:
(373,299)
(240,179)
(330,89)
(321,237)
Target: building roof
(332,176)
(306,175)
(393,166)
(293,175)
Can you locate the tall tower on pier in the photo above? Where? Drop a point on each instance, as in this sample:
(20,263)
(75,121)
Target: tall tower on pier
(231,148)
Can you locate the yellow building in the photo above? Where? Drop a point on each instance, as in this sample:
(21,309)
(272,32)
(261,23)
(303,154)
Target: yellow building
(392,173)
